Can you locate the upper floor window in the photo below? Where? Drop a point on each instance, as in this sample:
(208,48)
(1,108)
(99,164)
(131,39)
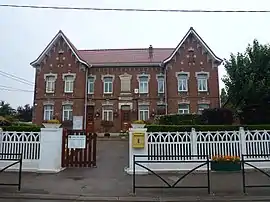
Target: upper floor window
(143,84)
(182,79)
(183,108)
(67,112)
(69,83)
(161,84)
(108,85)
(202,107)
(50,83)
(91,85)
(107,115)
(125,82)
(48,112)
(143,113)
(202,80)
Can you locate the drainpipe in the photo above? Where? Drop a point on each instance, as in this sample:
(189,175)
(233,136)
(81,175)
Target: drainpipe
(165,88)
(85,96)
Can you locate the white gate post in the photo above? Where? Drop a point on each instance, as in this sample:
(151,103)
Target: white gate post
(50,150)
(193,142)
(137,151)
(242,137)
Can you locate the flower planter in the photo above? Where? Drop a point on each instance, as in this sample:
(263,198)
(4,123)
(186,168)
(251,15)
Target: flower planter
(137,125)
(225,166)
(51,125)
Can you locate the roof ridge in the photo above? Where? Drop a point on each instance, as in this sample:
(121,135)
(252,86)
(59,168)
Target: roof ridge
(117,49)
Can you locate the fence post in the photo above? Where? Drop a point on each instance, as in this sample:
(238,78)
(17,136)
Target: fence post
(242,138)
(1,140)
(50,150)
(193,142)
(137,151)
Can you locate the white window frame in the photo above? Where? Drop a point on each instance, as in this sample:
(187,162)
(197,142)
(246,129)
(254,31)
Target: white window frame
(89,83)
(182,82)
(107,114)
(183,108)
(145,113)
(50,82)
(202,81)
(143,85)
(69,109)
(200,108)
(48,109)
(69,83)
(161,83)
(107,84)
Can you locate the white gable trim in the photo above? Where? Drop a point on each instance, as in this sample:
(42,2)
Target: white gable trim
(192,31)
(49,46)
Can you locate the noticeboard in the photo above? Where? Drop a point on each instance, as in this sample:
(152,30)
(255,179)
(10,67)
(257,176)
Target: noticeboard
(76,141)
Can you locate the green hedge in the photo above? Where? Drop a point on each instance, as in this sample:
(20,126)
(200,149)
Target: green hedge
(180,119)
(182,128)
(22,128)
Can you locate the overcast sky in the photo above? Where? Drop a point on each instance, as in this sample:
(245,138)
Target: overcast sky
(24,32)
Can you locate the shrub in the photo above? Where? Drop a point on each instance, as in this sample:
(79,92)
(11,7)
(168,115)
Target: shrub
(179,119)
(22,128)
(255,114)
(217,116)
(187,128)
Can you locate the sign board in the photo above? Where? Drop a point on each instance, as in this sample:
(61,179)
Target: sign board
(76,141)
(77,122)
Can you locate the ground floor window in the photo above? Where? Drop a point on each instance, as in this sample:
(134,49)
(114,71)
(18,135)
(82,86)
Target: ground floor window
(67,112)
(48,112)
(202,107)
(143,113)
(183,108)
(107,115)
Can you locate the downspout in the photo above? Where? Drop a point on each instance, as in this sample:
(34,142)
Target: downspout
(85,97)
(165,87)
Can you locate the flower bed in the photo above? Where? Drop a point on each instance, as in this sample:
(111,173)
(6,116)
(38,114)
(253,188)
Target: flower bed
(225,163)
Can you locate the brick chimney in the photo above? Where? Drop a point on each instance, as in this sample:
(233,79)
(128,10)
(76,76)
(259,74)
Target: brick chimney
(151,52)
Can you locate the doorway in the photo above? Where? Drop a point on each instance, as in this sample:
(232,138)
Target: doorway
(125,117)
(90,126)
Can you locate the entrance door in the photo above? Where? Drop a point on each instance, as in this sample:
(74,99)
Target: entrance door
(90,119)
(125,117)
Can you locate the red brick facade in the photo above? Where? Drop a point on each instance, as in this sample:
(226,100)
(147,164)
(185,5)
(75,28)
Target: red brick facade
(122,103)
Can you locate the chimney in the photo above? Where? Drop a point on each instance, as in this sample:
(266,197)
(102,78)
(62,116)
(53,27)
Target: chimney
(151,51)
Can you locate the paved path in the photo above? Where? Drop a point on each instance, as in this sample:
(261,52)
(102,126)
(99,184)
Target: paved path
(110,180)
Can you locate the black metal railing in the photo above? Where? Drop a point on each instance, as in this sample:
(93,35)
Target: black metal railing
(249,163)
(17,159)
(203,162)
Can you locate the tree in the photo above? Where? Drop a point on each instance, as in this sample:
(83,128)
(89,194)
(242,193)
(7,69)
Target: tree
(25,113)
(223,96)
(248,76)
(6,109)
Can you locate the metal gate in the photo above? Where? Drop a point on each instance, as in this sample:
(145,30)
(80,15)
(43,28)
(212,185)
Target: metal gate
(78,148)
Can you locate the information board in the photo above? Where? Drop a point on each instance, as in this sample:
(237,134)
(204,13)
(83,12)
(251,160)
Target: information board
(76,141)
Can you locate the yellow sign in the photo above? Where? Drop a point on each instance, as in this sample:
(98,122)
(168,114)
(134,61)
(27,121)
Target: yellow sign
(138,140)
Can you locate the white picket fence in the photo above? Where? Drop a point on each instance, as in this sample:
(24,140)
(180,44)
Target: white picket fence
(169,146)
(25,143)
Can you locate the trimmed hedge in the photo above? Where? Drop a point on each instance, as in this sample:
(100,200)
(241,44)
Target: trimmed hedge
(22,128)
(187,128)
(217,116)
(180,119)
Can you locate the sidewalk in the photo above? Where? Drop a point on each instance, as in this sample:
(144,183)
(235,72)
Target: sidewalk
(109,182)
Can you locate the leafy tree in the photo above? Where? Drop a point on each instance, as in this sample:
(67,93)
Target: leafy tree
(6,109)
(248,76)
(25,113)
(223,96)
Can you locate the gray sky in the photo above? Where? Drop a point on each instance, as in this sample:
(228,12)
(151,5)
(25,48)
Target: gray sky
(24,33)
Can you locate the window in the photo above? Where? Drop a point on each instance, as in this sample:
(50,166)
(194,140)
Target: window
(108,85)
(182,82)
(91,85)
(48,112)
(201,107)
(107,115)
(69,82)
(183,109)
(143,113)
(67,112)
(202,82)
(125,82)
(50,84)
(160,84)
(143,84)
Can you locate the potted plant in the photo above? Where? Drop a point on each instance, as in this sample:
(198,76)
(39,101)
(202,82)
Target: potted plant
(225,163)
(138,124)
(54,123)
(107,125)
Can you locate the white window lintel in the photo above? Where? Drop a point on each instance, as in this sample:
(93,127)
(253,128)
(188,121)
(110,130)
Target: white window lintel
(125,76)
(50,75)
(92,76)
(160,75)
(143,75)
(67,103)
(69,74)
(48,103)
(107,75)
(202,72)
(177,74)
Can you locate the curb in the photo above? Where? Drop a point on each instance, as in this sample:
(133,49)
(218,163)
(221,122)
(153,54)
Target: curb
(134,198)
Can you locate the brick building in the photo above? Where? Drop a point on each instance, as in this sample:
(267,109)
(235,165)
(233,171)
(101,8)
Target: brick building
(121,85)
